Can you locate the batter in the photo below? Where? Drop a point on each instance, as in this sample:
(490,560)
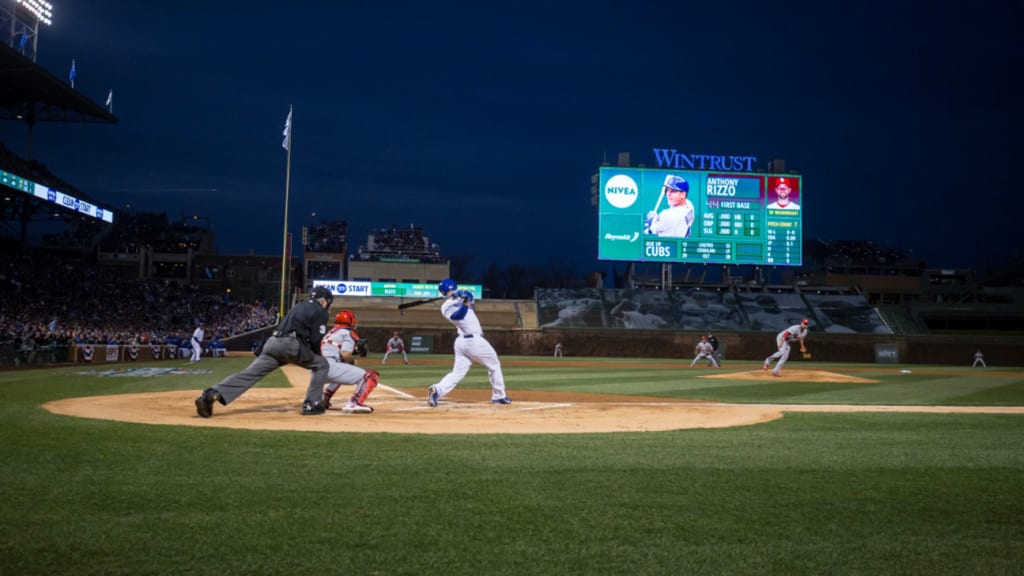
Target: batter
(470,346)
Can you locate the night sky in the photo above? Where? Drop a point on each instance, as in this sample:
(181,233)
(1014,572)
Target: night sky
(482,122)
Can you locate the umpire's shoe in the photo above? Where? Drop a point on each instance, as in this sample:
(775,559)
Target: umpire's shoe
(313,408)
(204,403)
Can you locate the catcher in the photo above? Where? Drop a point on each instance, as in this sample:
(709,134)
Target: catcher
(395,344)
(783,340)
(337,347)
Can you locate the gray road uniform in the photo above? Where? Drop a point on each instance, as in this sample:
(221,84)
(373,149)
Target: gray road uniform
(337,347)
(296,340)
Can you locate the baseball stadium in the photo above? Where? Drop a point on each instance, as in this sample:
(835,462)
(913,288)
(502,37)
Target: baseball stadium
(891,441)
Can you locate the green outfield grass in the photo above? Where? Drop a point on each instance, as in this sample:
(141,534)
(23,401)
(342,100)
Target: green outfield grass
(863,493)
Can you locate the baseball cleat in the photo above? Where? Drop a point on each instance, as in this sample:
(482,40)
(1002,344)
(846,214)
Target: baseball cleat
(204,403)
(432,397)
(313,408)
(354,408)
(776,374)
(505,400)
(766,367)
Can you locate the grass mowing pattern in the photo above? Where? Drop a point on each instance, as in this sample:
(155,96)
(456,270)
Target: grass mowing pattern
(808,494)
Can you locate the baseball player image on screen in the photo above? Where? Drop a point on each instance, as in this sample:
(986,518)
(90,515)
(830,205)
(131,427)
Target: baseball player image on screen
(394,346)
(785,196)
(338,346)
(470,346)
(674,221)
(783,340)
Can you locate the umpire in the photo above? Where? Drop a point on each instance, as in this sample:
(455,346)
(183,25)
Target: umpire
(296,340)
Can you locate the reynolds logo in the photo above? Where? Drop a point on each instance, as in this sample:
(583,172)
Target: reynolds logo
(622,237)
(621,191)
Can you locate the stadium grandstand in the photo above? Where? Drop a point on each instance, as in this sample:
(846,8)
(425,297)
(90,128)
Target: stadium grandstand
(138,279)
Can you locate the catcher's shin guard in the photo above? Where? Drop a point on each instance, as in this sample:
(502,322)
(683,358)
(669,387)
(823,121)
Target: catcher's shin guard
(366,386)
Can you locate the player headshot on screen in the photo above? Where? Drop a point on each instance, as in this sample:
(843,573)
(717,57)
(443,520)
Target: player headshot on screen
(784,196)
(675,220)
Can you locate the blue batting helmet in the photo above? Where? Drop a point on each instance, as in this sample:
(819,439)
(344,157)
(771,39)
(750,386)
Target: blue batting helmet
(447,285)
(677,183)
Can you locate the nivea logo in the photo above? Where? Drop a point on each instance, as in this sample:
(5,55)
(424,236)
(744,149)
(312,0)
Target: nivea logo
(621,191)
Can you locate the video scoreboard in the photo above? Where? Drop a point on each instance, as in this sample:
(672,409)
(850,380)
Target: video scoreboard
(689,216)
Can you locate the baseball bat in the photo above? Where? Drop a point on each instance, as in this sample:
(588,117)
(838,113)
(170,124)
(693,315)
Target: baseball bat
(660,198)
(414,303)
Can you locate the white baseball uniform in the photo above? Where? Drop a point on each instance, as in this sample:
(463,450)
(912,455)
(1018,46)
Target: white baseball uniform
(705,350)
(674,221)
(470,347)
(197,344)
(782,340)
(786,206)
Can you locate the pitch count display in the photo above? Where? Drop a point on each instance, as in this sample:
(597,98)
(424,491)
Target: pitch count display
(648,215)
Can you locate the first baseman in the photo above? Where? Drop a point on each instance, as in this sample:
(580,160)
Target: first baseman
(704,349)
(470,346)
(782,340)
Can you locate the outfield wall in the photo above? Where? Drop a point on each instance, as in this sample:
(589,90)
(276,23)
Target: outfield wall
(917,349)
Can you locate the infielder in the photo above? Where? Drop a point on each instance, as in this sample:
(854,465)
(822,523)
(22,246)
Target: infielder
(395,344)
(674,221)
(197,342)
(704,350)
(782,340)
(470,346)
(337,347)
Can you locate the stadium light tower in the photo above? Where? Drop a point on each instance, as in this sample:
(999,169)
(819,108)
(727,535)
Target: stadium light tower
(21,19)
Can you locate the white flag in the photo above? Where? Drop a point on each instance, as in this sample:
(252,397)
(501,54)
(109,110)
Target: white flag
(287,132)
(110,100)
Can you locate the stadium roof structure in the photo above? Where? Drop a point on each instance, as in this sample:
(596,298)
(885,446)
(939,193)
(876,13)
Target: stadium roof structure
(30,93)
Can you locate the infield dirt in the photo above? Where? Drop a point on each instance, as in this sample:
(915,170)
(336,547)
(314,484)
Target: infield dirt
(470,412)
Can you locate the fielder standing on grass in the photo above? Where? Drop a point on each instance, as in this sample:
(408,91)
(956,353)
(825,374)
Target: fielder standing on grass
(704,349)
(470,346)
(296,340)
(395,345)
(197,342)
(782,340)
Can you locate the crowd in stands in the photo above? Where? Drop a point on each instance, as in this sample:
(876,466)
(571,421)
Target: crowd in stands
(329,236)
(46,299)
(404,243)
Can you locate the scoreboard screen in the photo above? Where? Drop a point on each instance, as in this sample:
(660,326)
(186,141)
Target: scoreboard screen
(648,215)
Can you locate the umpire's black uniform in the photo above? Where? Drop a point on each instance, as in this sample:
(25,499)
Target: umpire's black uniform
(295,341)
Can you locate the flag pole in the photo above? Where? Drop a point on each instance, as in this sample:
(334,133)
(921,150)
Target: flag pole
(287,184)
